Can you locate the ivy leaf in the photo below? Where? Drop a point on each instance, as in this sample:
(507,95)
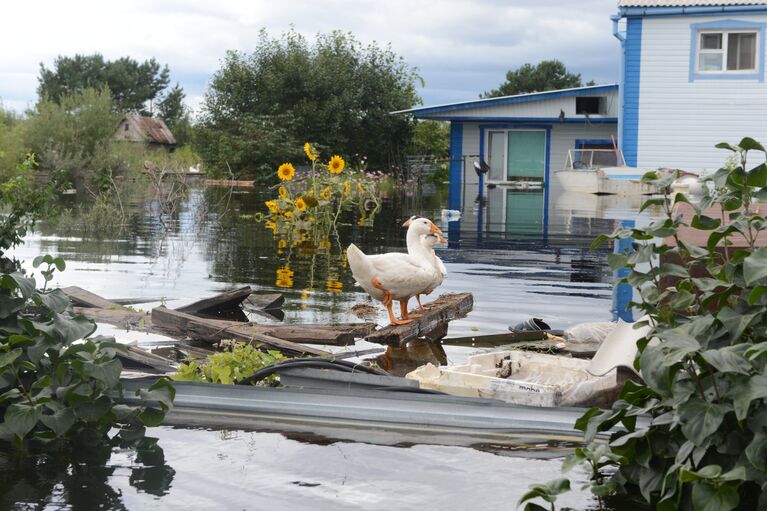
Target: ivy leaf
(729,359)
(7,358)
(755,266)
(700,419)
(56,300)
(735,322)
(757,176)
(749,144)
(705,223)
(59,421)
(21,418)
(708,497)
(744,393)
(71,329)
(756,452)
(26,285)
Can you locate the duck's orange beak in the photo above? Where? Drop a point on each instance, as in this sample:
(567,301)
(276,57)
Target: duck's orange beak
(441,238)
(435,229)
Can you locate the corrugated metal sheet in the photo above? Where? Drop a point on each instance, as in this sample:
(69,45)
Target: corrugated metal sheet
(154,129)
(687,3)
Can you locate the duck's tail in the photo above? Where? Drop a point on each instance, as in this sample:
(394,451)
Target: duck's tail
(359,263)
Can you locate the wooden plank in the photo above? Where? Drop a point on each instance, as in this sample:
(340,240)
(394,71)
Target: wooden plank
(82,298)
(264,301)
(213,330)
(445,308)
(335,335)
(138,300)
(227,299)
(136,357)
(121,317)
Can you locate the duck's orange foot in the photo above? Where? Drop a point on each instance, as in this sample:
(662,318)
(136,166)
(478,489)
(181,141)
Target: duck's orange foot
(395,321)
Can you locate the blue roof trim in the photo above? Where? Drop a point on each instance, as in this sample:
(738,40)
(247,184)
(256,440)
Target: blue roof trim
(551,120)
(632,61)
(691,10)
(695,28)
(521,98)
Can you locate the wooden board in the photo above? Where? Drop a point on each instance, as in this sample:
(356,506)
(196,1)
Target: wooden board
(445,308)
(227,299)
(213,330)
(124,318)
(264,301)
(136,357)
(82,298)
(134,301)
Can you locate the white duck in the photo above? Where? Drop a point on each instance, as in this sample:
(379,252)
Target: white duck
(429,242)
(396,276)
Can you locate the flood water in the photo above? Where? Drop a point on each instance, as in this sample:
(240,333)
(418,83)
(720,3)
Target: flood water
(518,258)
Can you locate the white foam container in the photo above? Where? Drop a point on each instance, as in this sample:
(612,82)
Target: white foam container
(518,377)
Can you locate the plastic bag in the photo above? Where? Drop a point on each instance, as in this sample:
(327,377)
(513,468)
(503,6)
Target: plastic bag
(592,333)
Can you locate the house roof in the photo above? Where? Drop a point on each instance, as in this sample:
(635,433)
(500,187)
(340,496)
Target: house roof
(686,3)
(154,129)
(504,100)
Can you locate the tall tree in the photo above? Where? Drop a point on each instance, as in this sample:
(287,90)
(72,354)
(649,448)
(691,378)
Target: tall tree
(131,83)
(333,91)
(546,75)
(171,108)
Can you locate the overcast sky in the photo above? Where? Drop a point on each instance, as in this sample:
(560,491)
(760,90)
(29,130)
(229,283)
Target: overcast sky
(461,48)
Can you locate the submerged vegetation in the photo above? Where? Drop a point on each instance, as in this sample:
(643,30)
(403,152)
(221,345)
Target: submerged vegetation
(704,363)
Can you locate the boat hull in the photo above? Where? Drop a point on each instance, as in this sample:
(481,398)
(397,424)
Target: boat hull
(616,181)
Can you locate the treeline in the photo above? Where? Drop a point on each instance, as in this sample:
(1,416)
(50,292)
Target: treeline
(259,109)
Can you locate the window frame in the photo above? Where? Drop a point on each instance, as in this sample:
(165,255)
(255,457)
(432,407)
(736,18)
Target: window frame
(725,28)
(505,131)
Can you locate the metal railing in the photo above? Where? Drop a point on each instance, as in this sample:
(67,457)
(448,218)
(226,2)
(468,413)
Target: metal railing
(588,159)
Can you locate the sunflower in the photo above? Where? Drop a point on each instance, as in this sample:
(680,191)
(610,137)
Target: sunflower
(311,152)
(347,187)
(286,171)
(300,204)
(360,187)
(282,244)
(272,205)
(271,225)
(336,164)
(326,194)
(334,286)
(283,192)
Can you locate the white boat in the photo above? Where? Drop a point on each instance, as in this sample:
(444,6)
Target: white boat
(599,171)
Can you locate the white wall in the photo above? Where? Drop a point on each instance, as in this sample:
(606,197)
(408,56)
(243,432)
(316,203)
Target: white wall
(681,121)
(550,108)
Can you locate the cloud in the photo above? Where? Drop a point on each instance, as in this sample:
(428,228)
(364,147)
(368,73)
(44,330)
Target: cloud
(461,48)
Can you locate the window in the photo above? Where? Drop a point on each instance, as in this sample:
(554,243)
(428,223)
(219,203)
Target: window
(589,105)
(727,51)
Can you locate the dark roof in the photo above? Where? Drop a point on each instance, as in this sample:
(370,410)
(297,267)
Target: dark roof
(686,3)
(153,128)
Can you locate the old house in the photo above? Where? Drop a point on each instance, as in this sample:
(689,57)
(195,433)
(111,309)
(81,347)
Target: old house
(151,131)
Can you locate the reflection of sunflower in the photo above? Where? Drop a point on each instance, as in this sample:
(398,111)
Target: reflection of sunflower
(286,171)
(271,225)
(300,204)
(325,194)
(336,164)
(283,192)
(283,282)
(311,152)
(272,205)
(334,286)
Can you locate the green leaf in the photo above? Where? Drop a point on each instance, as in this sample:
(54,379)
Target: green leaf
(704,223)
(735,322)
(151,416)
(161,391)
(107,372)
(26,285)
(700,419)
(743,394)
(707,472)
(616,261)
(708,497)
(8,358)
(547,492)
(730,359)
(59,421)
(757,176)
(70,329)
(92,411)
(673,270)
(60,264)
(21,418)
(56,300)
(756,452)
(749,144)
(725,145)
(755,266)
(650,481)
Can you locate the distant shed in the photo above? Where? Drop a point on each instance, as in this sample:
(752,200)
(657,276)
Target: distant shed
(148,130)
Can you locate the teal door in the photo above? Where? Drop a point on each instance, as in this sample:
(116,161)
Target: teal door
(524,213)
(526,156)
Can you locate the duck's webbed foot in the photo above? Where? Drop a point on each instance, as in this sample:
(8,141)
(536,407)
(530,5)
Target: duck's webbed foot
(420,306)
(404,312)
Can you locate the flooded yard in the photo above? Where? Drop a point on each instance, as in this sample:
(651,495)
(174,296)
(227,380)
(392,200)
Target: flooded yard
(518,260)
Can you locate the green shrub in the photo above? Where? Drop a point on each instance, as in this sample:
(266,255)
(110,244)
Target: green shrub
(227,367)
(705,370)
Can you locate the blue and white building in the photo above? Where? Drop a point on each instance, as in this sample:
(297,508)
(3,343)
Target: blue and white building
(692,76)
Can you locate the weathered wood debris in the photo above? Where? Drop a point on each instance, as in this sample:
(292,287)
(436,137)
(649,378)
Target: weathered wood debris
(202,321)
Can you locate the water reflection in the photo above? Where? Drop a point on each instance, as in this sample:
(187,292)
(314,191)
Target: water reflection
(83,478)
